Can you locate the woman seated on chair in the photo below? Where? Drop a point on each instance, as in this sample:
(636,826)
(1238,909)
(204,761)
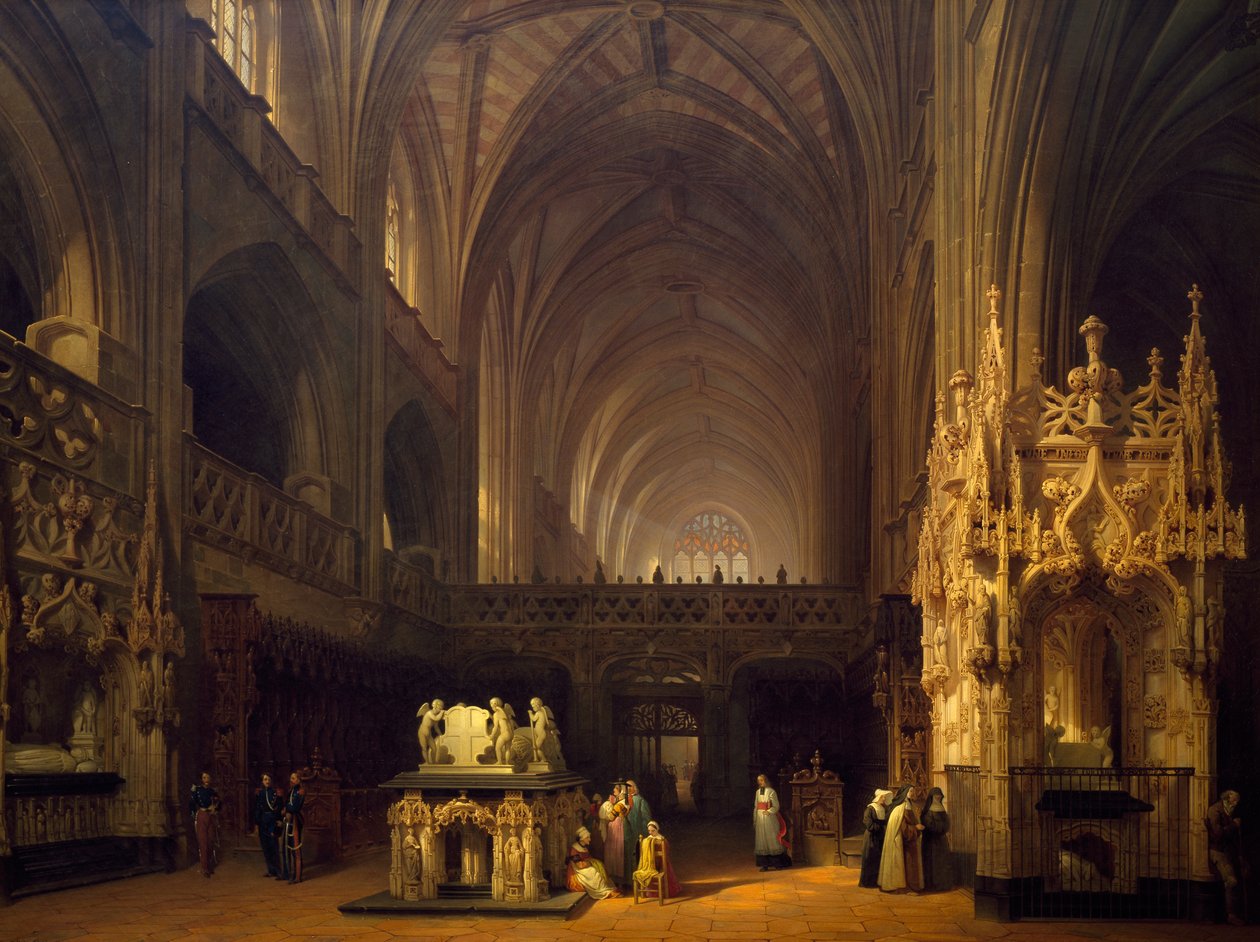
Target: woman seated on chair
(645,876)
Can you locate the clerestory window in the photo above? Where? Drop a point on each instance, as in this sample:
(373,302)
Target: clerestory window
(711,539)
(233,24)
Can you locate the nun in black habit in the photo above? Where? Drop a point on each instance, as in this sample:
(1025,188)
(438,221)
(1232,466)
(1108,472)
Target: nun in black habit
(937,865)
(874,821)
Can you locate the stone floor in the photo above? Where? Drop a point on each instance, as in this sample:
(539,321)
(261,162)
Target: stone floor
(725,898)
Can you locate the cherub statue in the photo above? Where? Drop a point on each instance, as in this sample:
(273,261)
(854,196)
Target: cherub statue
(544,725)
(430,715)
(502,728)
(1100,739)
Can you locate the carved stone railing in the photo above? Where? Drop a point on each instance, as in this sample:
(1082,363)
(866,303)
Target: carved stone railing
(416,592)
(618,605)
(60,419)
(234,509)
(216,92)
(422,354)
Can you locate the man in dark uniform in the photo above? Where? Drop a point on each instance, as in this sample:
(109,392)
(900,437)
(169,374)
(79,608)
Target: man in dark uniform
(268,808)
(203,804)
(291,838)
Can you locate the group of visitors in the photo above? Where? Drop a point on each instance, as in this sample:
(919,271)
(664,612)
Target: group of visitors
(905,848)
(632,846)
(276,816)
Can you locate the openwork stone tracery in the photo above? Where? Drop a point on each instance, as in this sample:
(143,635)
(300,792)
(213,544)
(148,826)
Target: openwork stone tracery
(1070,569)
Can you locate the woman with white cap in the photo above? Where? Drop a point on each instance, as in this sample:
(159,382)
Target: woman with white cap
(585,874)
(874,822)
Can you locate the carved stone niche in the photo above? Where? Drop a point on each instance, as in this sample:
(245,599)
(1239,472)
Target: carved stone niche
(86,350)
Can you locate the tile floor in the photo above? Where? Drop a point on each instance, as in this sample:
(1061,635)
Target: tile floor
(726,897)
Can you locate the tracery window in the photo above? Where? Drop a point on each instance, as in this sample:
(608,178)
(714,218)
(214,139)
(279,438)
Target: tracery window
(234,25)
(710,539)
(391,232)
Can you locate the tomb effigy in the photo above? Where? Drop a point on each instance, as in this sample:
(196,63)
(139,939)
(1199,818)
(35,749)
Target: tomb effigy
(491,809)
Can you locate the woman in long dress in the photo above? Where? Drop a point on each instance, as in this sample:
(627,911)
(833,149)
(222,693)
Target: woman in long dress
(771,845)
(874,823)
(585,874)
(937,872)
(901,863)
(612,814)
(647,867)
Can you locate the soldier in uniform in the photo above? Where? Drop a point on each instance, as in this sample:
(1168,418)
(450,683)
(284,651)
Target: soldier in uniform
(203,804)
(268,810)
(291,838)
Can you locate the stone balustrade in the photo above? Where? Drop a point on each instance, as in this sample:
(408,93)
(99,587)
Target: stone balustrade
(421,352)
(216,92)
(237,510)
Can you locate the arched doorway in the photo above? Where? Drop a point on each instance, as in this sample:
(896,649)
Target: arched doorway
(657,710)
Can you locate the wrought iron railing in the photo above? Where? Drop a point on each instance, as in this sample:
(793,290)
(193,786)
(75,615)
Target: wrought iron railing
(1100,843)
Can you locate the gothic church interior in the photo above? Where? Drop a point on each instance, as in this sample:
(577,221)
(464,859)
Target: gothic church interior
(743,378)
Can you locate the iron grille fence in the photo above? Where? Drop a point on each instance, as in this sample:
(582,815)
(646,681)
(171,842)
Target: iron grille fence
(1084,843)
(1100,843)
(962,801)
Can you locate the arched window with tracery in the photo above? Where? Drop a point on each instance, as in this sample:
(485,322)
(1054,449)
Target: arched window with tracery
(234,25)
(708,539)
(391,232)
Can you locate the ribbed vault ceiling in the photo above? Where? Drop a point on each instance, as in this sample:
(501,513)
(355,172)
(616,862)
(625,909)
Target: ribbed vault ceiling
(650,216)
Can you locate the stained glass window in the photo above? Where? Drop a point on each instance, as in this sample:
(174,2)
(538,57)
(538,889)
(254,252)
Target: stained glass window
(711,539)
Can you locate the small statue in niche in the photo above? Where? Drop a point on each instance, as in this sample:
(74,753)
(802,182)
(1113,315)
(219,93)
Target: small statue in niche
(168,686)
(938,643)
(33,709)
(1052,706)
(85,710)
(146,684)
(1015,617)
(411,857)
(514,857)
(430,739)
(980,619)
(1184,617)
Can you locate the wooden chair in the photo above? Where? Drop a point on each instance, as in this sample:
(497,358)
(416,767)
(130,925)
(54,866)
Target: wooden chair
(658,876)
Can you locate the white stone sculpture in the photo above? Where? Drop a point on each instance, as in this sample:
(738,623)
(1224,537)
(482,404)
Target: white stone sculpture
(502,728)
(430,715)
(514,855)
(546,735)
(1052,706)
(411,857)
(85,710)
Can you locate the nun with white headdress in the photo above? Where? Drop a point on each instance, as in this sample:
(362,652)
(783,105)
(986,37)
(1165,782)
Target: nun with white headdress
(901,863)
(874,823)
